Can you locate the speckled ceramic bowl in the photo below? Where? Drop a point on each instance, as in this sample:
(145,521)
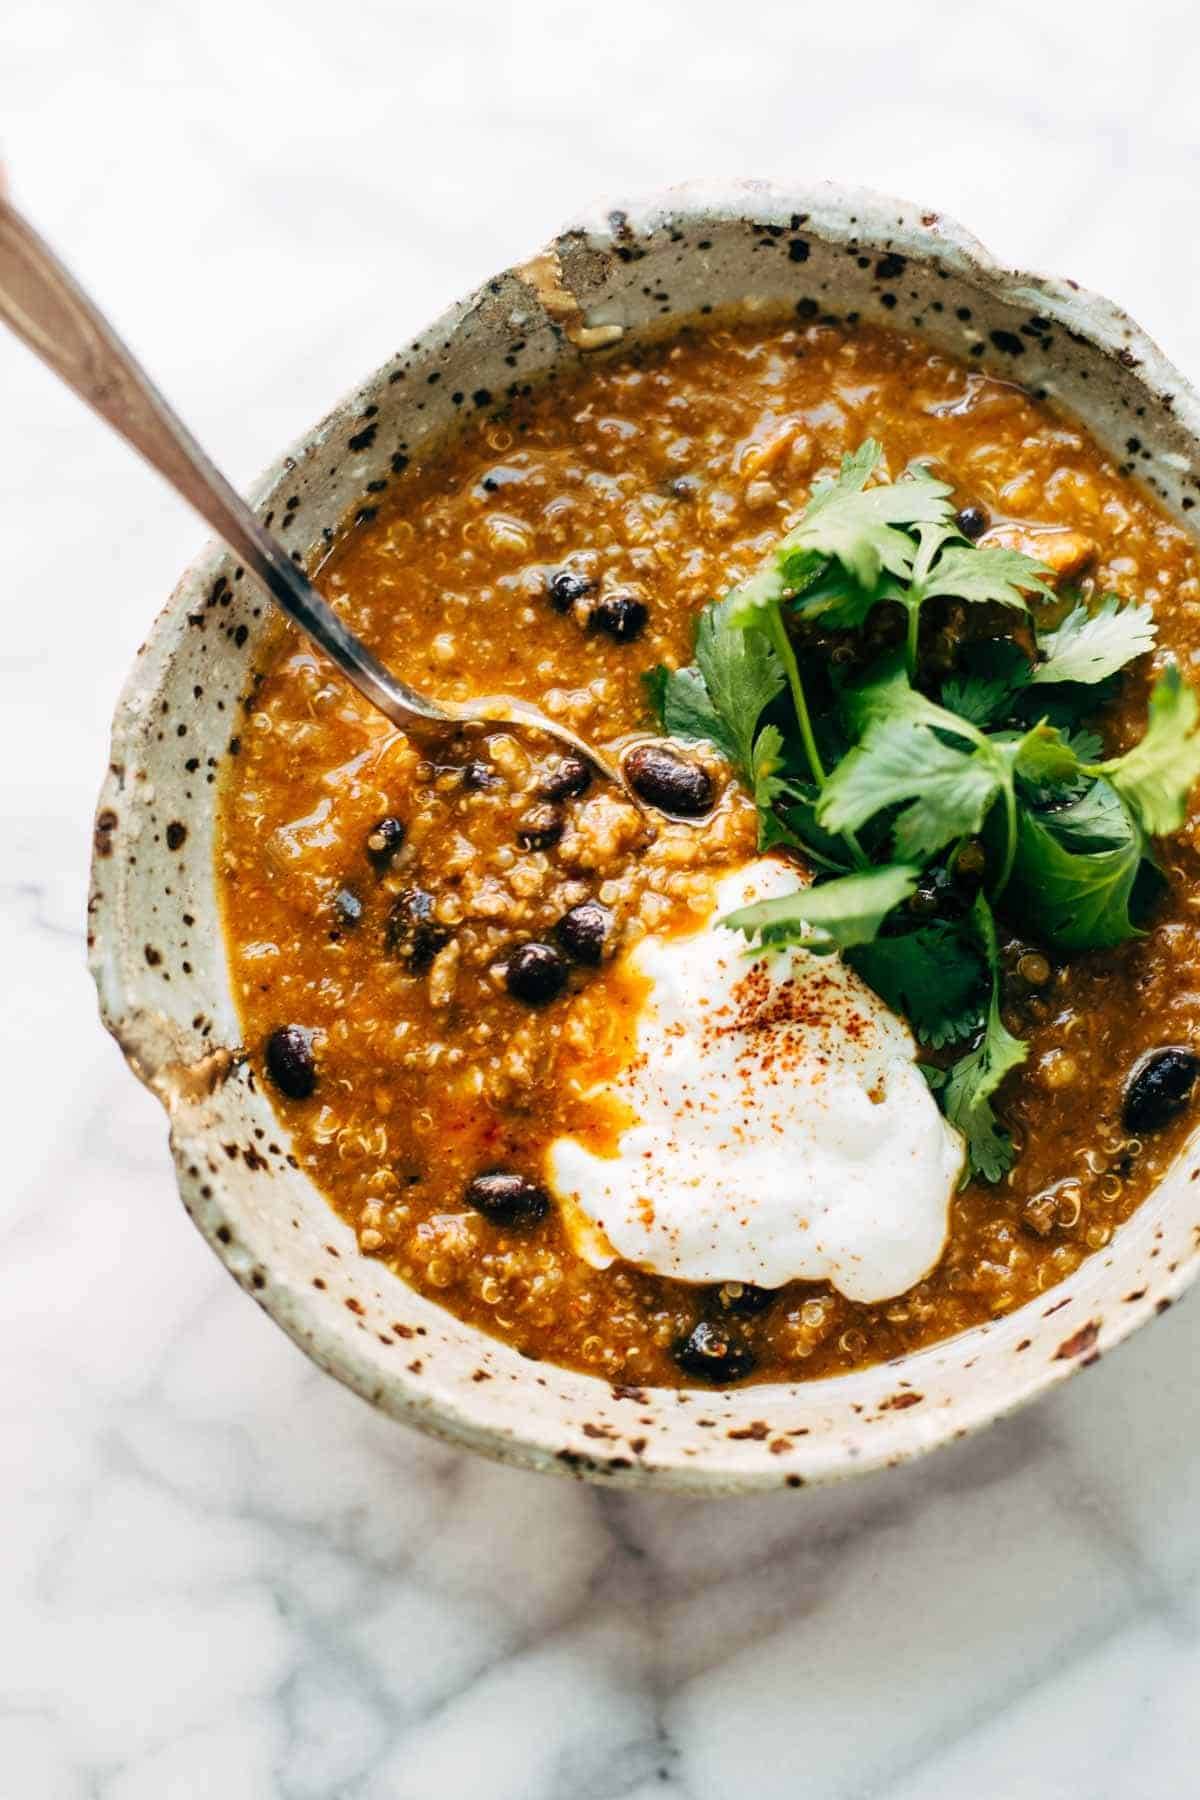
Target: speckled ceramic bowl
(156,942)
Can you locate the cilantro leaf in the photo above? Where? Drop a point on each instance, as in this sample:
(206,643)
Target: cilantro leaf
(1045,758)
(966,1094)
(1098,820)
(1088,647)
(722,698)
(846,522)
(857,468)
(835,916)
(1156,777)
(967,1105)
(902,757)
(996,671)
(767,785)
(838,601)
(775,831)
(765,761)
(857,525)
(742,674)
(887,694)
(1074,871)
(932,977)
(983,572)
(1087,745)
(949,789)
(682,707)
(980,699)
(1051,764)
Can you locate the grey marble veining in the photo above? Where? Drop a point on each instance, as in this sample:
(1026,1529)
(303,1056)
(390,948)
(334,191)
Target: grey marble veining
(220,1575)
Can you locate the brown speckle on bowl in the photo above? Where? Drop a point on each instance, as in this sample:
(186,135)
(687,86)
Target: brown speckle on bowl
(106,824)
(1079,1341)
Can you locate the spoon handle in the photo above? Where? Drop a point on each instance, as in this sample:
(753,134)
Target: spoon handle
(49,311)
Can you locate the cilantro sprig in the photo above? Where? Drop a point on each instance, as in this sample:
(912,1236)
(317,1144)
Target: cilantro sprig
(835,916)
(891,783)
(966,1090)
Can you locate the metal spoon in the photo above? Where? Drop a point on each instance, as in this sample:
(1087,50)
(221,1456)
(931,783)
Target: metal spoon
(49,311)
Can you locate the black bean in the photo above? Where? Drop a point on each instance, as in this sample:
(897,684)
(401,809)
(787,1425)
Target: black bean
(684,487)
(569,778)
(1159,1090)
(383,841)
(972,521)
(583,930)
(505,1198)
(536,974)
(712,1353)
(743,1298)
(413,933)
(540,828)
(349,908)
(289,1060)
(478,775)
(622,616)
(565,587)
(508,1199)
(669,781)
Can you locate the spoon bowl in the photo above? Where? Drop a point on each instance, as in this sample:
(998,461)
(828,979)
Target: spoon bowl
(504,709)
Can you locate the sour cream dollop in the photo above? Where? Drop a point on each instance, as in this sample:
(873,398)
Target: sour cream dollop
(778,1125)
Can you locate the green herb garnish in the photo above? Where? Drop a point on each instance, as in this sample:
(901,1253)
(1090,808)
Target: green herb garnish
(1157,775)
(1080,896)
(882,786)
(1088,647)
(834,916)
(933,976)
(966,1091)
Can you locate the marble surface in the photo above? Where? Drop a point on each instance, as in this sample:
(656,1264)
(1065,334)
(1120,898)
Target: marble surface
(220,1575)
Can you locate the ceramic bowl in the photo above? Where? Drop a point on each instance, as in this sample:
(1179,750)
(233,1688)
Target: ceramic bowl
(156,945)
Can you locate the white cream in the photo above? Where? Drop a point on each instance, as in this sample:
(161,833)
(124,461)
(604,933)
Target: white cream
(779,1129)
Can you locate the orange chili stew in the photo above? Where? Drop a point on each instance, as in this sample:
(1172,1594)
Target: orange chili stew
(378,897)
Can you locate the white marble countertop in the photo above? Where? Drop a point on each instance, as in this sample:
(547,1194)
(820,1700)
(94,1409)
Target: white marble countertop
(221,1577)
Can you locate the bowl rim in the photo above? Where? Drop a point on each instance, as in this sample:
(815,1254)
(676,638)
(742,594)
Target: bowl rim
(842,215)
